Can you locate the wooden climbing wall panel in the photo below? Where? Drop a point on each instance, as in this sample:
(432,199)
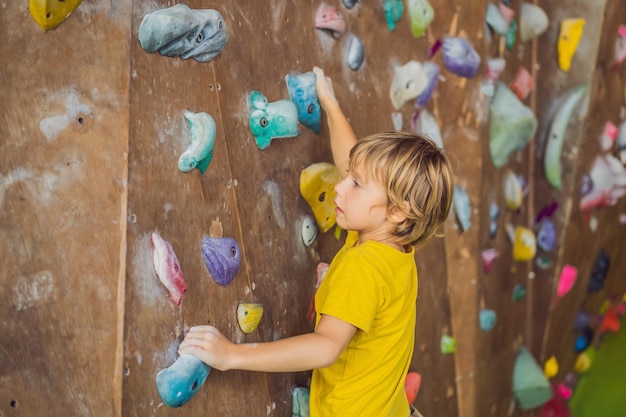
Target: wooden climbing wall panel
(255,194)
(585,234)
(63,164)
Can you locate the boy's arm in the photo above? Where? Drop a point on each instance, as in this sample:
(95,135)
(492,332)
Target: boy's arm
(342,137)
(293,354)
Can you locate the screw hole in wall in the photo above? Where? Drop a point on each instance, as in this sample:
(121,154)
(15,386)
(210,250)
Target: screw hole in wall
(81,120)
(14,403)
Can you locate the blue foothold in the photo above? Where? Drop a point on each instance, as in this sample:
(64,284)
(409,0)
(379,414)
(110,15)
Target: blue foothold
(487,319)
(178,383)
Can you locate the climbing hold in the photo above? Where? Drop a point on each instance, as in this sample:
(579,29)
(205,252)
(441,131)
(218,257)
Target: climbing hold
(460,57)
(556,407)
(248,316)
(496,20)
(303,94)
(309,231)
(393,12)
(330,18)
(409,81)
(551,367)
(512,125)
(448,344)
(512,191)
(567,280)
(584,360)
(355,53)
(619,50)
(300,398)
(431,70)
(552,159)
(494,213)
(519,291)
(317,186)
(610,321)
(200,151)
(425,123)
(51,13)
(533,21)
(421,14)
(599,271)
(608,136)
(523,84)
(546,236)
(180,31)
(182,380)
(606,183)
(525,244)
(582,320)
(272,120)
(495,66)
(511,34)
(530,386)
(487,319)
(412,384)
(583,340)
(222,258)
(569,36)
(489,257)
(168,268)
(462,207)
(350,3)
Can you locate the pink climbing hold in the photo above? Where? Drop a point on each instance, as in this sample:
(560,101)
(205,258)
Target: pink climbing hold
(566,280)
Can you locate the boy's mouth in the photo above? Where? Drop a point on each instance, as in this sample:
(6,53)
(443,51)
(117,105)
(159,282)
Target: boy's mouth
(338,209)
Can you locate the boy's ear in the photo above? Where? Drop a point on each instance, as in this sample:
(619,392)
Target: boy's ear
(396,215)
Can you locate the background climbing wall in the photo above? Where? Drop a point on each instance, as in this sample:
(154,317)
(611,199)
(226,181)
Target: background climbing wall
(92,130)
(64,143)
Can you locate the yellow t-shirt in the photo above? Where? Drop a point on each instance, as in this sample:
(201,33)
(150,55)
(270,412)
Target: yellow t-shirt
(373,287)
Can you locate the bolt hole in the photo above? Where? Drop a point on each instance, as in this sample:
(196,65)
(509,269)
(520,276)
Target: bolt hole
(81,120)
(14,403)
(210,87)
(219,87)
(126,371)
(269,217)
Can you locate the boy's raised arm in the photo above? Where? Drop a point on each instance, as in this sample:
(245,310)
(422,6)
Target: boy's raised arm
(342,137)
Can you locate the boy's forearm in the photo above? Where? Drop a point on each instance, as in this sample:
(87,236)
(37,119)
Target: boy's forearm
(342,137)
(293,354)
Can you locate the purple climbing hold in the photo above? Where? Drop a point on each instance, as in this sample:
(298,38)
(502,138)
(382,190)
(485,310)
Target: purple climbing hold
(546,236)
(460,57)
(221,256)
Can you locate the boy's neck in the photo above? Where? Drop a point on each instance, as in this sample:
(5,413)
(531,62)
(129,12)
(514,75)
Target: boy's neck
(385,241)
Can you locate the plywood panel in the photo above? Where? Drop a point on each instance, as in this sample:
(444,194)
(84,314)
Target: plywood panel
(64,107)
(580,242)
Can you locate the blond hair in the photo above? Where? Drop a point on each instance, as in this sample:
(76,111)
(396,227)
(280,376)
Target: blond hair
(417,176)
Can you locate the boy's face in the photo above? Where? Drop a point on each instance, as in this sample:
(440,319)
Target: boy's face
(362,206)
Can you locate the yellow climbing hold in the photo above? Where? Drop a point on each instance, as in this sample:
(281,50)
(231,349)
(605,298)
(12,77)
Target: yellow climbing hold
(317,186)
(583,361)
(569,37)
(551,367)
(525,244)
(51,13)
(249,315)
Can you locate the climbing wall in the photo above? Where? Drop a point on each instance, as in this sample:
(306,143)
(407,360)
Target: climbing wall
(254,194)
(93,130)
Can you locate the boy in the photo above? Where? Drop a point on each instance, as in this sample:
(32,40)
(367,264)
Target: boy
(395,193)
